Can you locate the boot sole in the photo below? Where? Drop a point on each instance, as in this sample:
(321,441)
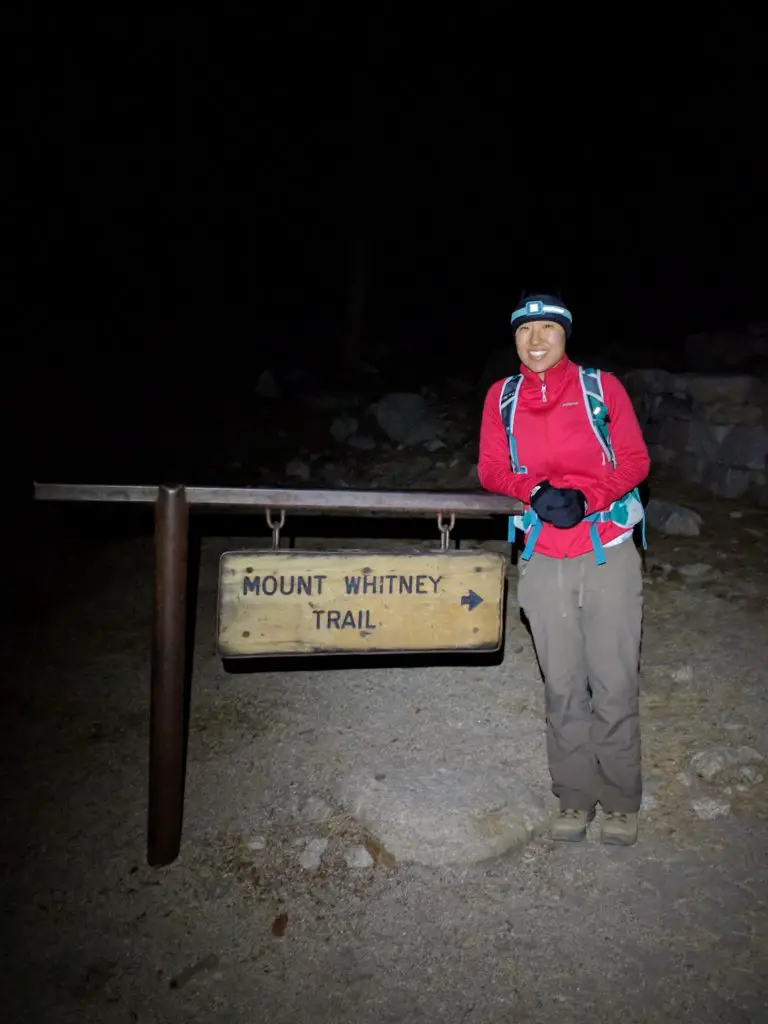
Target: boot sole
(615,841)
(579,838)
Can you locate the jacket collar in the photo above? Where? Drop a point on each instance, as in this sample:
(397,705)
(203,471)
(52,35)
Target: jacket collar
(552,378)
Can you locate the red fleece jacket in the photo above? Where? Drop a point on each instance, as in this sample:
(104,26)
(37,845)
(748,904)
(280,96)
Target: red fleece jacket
(556,442)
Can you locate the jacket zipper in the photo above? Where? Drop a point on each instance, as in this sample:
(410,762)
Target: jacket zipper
(543,392)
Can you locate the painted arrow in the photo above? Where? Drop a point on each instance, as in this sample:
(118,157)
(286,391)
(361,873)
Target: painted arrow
(471,599)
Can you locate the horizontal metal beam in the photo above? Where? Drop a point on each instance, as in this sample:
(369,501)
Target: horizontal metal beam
(462,503)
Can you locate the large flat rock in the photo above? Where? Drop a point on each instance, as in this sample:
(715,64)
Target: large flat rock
(439,816)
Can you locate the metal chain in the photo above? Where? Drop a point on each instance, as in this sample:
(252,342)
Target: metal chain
(275,527)
(445,530)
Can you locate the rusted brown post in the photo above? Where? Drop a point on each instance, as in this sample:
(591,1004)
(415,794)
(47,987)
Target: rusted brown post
(167,709)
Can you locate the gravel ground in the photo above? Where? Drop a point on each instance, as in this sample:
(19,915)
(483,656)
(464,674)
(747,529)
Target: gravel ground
(237,930)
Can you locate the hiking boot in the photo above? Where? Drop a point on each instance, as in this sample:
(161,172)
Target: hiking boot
(570,826)
(619,829)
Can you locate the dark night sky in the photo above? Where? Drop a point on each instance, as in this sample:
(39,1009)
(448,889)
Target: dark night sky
(184,183)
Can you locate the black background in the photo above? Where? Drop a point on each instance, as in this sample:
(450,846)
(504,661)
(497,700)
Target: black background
(185,194)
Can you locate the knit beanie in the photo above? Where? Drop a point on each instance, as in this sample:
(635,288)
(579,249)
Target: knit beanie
(543,307)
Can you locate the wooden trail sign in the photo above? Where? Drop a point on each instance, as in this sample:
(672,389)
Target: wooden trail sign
(359,602)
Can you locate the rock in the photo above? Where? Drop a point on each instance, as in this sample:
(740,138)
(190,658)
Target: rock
(406,418)
(649,381)
(690,467)
(207,963)
(357,857)
(672,520)
(256,844)
(730,388)
(651,428)
(343,427)
(746,447)
(671,407)
(298,468)
(446,815)
(676,434)
(698,573)
(435,445)
(727,482)
(722,412)
(312,854)
(266,386)
(708,764)
(362,442)
(684,674)
(696,570)
(745,755)
(661,455)
(759,494)
(316,809)
(471,479)
(706,440)
(656,567)
(758,482)
(714,763)
(708,809)
(651,785)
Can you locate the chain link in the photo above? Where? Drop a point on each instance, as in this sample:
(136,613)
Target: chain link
(445,531)
(275,527)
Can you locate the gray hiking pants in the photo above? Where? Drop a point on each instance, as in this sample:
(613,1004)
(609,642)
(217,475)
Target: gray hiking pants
(586,621)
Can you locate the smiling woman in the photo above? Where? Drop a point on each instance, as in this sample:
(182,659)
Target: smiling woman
(565,440)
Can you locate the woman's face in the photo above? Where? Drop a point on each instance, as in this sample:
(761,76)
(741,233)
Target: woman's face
(540,345)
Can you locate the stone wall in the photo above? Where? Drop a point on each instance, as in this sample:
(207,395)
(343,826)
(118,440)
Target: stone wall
(711,429)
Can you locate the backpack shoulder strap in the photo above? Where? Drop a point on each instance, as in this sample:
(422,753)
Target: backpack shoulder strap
(592,390)
(507,407)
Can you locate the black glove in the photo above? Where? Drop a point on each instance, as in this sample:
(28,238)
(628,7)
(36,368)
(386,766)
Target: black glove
(561,506)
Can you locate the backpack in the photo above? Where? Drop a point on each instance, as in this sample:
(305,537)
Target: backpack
(626,511)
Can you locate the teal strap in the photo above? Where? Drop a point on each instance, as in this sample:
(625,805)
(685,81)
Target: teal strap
(533,536)
(597,544)
(516,467)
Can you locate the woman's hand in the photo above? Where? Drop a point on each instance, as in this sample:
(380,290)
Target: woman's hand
(563,507)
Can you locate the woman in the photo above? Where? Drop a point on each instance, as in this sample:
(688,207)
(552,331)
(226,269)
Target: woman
(575,464)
